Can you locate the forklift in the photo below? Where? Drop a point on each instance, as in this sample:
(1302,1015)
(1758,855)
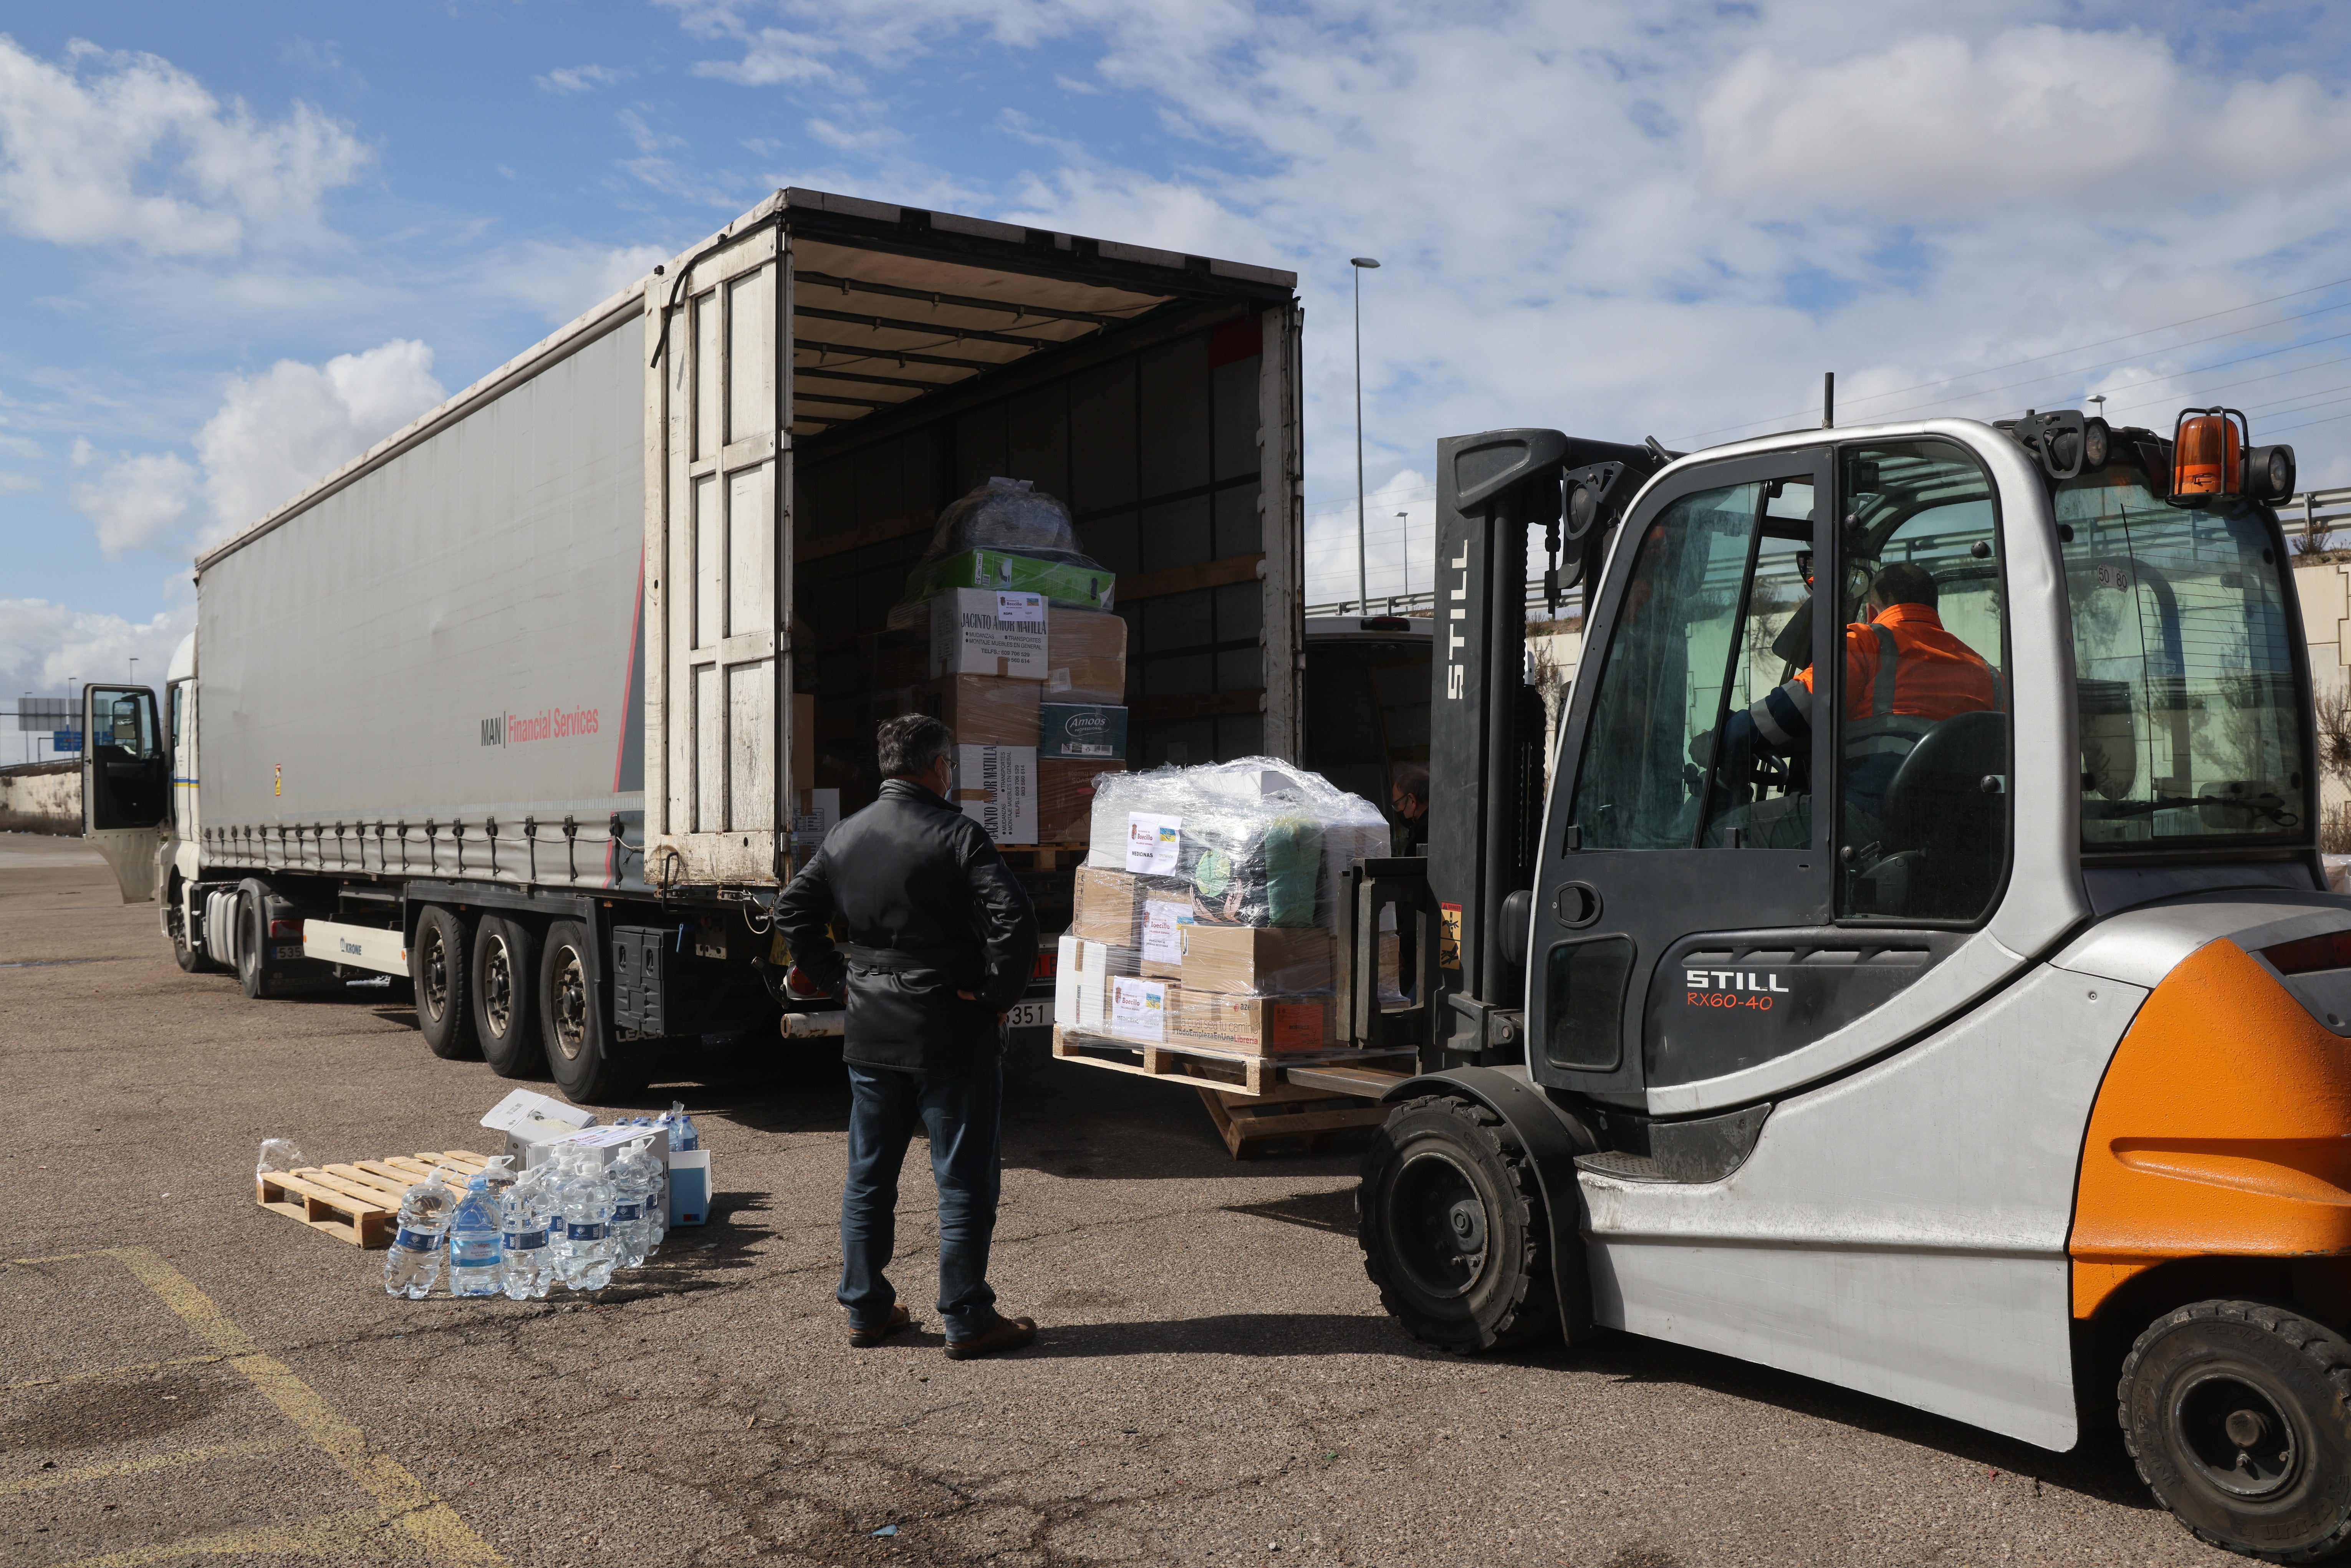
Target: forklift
(1981,1054)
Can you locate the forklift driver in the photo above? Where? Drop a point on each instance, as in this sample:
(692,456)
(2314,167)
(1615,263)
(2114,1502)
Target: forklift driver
(1903,673)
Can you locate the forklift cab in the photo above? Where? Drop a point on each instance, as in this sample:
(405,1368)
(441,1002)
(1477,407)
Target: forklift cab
(1800,779)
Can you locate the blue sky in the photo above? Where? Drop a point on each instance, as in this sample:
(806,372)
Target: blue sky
(241,244)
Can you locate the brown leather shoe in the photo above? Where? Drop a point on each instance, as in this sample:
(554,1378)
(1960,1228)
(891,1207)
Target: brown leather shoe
(900,1320)
(1009,1334)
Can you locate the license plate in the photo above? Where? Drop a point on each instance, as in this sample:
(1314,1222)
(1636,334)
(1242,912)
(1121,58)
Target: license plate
(292,950)
(1031,1014)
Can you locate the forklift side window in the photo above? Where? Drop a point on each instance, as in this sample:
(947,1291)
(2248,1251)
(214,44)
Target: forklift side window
(2191,722)
(1669,665)
(1923,813)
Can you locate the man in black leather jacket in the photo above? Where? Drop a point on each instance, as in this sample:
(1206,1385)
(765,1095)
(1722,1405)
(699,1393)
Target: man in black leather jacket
(942,939)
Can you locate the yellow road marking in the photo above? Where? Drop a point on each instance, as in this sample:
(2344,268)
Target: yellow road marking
(131,1370)
(401,1502)
(44,1480)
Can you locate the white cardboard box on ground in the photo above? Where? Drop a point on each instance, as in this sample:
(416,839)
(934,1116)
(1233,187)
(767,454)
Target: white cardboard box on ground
(689,1187)
(533,1123)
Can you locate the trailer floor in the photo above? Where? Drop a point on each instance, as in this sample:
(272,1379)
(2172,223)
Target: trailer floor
(193,1379)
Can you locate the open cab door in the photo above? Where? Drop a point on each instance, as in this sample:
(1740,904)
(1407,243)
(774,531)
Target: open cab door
(125,784)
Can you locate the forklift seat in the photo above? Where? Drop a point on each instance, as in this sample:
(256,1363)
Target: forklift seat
(1943,817)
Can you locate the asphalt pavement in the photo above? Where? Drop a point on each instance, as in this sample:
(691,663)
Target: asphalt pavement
(193,1379)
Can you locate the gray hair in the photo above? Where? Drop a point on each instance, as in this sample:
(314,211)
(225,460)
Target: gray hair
(911,744)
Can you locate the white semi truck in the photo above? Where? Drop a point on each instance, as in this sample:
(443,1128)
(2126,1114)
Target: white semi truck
(526,705)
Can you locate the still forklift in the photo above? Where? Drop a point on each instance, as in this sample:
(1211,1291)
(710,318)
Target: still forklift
(1983,1060)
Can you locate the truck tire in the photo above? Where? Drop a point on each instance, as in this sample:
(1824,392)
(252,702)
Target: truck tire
(1451,1222)
(573,1020)
(439,967)
(190,957)
(504,993)
(252,967)
(2239,1416)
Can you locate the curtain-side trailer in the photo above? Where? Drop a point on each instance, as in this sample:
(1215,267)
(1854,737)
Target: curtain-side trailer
(528,704)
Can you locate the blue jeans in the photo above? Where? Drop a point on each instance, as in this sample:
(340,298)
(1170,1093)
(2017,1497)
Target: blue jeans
(963,1115)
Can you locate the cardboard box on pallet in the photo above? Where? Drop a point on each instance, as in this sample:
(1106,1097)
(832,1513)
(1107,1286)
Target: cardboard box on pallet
(1256,1026)
(1081,732)
(981,710)
(979,632)
(1085,656)
(1082,979)
(1109,904)
(1255,960)
(1065,798)
(995,786)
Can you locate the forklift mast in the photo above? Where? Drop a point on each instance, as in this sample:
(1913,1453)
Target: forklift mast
(1485,762)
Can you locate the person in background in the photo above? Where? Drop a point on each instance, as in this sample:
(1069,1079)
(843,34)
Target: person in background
(942,938)
(1408,793)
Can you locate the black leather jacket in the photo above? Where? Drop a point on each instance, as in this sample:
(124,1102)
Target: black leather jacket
(931,909)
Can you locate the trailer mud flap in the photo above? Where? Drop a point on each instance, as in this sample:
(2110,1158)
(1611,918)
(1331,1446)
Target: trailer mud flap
(1552,1138)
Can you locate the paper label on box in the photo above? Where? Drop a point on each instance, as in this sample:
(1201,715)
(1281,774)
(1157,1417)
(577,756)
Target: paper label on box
(1058,681)
(1163,930)
(1152,844)
(1021,606)
(1138,1008)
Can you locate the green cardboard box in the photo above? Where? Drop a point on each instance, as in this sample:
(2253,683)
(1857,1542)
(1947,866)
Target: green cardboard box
(1079,587)
(1081,732)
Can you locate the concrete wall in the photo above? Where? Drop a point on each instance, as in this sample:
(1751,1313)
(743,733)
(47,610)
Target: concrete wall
(41,798)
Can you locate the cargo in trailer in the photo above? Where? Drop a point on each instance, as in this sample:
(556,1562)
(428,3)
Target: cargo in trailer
(597,647)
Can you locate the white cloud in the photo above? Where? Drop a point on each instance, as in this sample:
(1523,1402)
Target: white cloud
(579,79)
(560,280)
(133,503)
(134,149)
(14,483)
(279,432)
(274,435)
(45,647)
(1932,127)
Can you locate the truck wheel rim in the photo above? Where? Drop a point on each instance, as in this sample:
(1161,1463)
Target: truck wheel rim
(1440,1225)
(497,988)
(436,974)
(2236,1434)
(570,1007)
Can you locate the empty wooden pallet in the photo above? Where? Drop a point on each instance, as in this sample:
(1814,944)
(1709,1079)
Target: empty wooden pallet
(359,1202)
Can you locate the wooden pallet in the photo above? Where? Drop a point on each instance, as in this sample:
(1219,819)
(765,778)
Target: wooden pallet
(1251,1077)
(359,1202)
(1248,1125)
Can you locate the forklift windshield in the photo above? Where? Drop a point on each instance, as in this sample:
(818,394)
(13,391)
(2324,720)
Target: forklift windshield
(2190,725)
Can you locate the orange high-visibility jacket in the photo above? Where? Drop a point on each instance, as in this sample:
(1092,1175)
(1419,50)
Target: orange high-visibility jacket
(1903,673)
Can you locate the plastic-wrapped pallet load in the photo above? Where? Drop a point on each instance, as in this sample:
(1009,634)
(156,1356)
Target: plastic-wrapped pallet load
(1007,536)
(1208,911)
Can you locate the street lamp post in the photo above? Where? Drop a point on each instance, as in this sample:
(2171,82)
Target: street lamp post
(1404,531)
(1363,571)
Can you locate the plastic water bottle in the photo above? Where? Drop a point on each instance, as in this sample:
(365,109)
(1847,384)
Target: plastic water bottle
(584,1257)
(526,1254)
(681,1133)
(635,1174)
(414,1264)
(474,1241)
(499,1170)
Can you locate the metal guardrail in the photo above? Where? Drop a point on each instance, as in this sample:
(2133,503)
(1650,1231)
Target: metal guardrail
(1424,603)
(2318,511)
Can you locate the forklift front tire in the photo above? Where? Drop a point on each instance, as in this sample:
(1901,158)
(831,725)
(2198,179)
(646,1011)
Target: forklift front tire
(2239,1415)
(1451,1222)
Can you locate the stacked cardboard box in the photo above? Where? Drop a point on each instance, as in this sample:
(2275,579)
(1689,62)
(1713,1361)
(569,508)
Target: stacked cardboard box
(1083,721)
(986,666)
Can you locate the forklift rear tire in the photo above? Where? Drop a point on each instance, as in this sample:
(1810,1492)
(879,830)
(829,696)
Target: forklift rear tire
(504,994)
(573,1018)
(2239,1415)
(1451,1223)
(440,968)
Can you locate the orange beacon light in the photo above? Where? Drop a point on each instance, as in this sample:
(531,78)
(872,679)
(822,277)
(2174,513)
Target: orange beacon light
(2208,452)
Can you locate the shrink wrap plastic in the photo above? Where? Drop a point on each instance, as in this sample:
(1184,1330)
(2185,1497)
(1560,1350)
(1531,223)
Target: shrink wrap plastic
(1208,909)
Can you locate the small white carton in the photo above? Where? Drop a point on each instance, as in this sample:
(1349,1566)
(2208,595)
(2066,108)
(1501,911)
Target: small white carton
(995,786)
(534,1123)
(689,1187)
(980,631)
